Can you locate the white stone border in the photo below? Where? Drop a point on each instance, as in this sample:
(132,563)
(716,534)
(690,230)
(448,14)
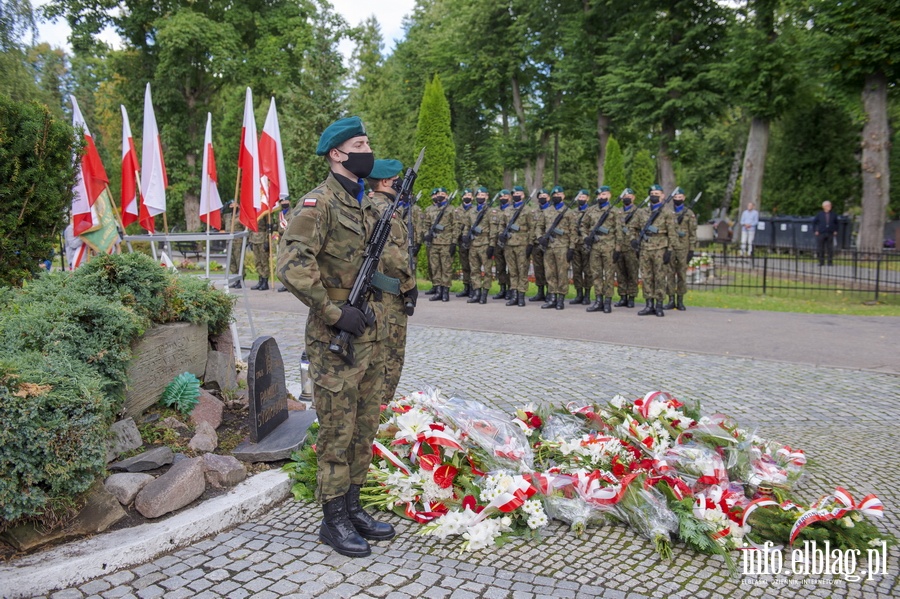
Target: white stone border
(74,563)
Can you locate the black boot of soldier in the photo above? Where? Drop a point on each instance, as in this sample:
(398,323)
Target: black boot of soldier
(623,301)
(671,304)
(431,291)
(539,296)
(282,289)
(236,285)
(484,295)
(659,308)
(475,297)
(679,303)
(513,298)
(597,305)
(437,294)
(263,284)
(560,301)
(445,294)
(258,284)
(579,295)
(607,305)
(648,309)
(501,294)
(550,303)
(367,526)
(338,531)
(586,300)
(467,291)
(521,298)
(630,301)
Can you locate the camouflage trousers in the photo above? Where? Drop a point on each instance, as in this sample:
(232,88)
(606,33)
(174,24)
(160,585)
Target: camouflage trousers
(479,261)
(348,404)
(394,345)
(581,270)
(537,259)
(441,262)
(557,268)
(235,258)
(627,273)
(465,267)
(653,272)
(603,271)
(500,266)
(261,256)
(518,267)
(676,281)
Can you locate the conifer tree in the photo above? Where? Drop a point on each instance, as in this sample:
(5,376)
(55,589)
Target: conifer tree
(434,133)
(643,174)
(614,167)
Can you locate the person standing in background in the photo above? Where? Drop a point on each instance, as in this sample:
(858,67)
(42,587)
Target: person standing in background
(749,222)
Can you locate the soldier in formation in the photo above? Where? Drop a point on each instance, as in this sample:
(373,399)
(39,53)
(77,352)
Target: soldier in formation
(599,226)
(500,253)
(516,239)
(682,250)
(441,238)
(481,241)
(557,232)
(657,238)
(464,208)
(581,277)
(537,252)
(629,220)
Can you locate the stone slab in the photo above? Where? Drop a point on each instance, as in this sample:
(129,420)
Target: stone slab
(281,442)
(220,372)
(126,485)
(123,436)
(149,460)
(209,409)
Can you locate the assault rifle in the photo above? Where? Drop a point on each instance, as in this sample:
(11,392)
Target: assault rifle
(436,226)
(511,226)
(544,240)
(691,207)
(475,229)
(368,278)
(635,211)
(599,228)
(411,246)
(649,228)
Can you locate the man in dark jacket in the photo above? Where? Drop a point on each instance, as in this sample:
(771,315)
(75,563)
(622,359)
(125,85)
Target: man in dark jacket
(825,228)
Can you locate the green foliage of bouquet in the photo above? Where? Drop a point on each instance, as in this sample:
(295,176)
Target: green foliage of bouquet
(302,467)
(183,393)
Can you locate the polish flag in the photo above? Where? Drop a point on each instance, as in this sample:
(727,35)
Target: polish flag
(271,161)
(248,162)
(210,202)
(154,180)
(91,178)
(130,169)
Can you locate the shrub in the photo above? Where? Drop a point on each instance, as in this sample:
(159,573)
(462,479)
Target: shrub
(134,279)
(194,300)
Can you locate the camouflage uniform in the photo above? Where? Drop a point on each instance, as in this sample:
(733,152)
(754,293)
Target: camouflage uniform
(395,263)
(500,262)
(556,260)
(464,259)
(602,265)
(440,259)
(628,228)
(655,245)
(685,242)
(537,254)
(235,258)
(318,260)
(261,247)
(581,269)
(520,236)
(480,263)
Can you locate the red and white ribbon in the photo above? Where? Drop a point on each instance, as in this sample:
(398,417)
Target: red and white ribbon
(511,499)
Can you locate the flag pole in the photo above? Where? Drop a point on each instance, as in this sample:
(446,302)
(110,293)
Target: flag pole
(271,251)
(237,189)
(120,225)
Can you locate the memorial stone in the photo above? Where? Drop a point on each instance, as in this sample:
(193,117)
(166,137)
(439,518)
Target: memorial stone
(266,387)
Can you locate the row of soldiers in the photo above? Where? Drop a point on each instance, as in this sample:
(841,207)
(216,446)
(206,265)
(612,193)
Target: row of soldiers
(602,243)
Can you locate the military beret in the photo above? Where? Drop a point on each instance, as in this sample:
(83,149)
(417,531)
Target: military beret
(656,187)
(466,190)
(678,190)
(583,192)
(519,188)
(543,191)
(338,132)
(227,203)
(438,190)
(558,189)
(603,188)
(504,192)
(386,169)
(628,191)
(481,189)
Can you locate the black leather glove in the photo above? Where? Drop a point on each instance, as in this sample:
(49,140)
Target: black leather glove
(504,237)
(616,255)
(528,250)
(667,256)
(352,320)
(544,242)
(411,296)
(429,237)
(690,255)
(636,245)
(452,249)
(570,254)
(587,241)
(490,252)
(266,246)
(416,249)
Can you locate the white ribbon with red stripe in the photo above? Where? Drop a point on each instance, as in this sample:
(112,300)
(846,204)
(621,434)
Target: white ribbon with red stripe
(511,499)
(389,455)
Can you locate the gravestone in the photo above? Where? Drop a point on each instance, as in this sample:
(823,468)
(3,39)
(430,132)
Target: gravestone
(267,390)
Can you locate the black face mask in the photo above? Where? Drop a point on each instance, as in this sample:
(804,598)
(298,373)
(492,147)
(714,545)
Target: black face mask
(467,201)
(543,200)
(626,201)
(557,199)
(481,200)
(518,198)
(359,163)
(582,202)
(678,202)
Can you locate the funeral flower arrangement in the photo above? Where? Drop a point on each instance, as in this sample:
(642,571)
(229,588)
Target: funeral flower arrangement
(662,468)
(703,259)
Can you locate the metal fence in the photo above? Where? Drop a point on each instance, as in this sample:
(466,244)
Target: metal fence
(865,275)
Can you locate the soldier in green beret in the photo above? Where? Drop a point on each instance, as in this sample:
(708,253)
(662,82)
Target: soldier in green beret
(559,247)
(481,246)
(319,259)
(462,213)
(629,221)
(682,251)
(441,237)
(534,250)
(602,244)
(581,276)
(656,252)
(516,248)
(232,218)
(499,252)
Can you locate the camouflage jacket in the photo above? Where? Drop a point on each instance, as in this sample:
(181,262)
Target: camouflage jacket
(626,232)
(686,230)
(447,231)
(566,232)
(661,234)
(521,231)
(605,238)
(321,253)
(536,217)
(395,259)
(488,225)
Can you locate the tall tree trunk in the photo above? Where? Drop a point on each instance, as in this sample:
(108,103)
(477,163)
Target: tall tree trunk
(725,206)
(523,133)
(664,161)
(876,174)
(192,199)
(540,164)
(602,138)
(504,119)
(754,163)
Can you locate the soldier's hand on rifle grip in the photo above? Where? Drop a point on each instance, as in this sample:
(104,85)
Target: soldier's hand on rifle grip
(636,244)
(570,254)
(529,249)
(416,249)
(452,249)
(352,320)
(429,237)
(544,242)
(588,241)
(411,296)
(490,252)
(690,255)
(667,256)
(616,255)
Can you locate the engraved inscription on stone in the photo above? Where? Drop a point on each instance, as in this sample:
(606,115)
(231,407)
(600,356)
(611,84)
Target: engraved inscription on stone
(266,386)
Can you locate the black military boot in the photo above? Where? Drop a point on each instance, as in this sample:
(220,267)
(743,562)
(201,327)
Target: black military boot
(263,284)
(521,298)
(484,296)
(258,284)
(550,303)
(648,309)
(607,305)
(475,298)
(437,294)
(501,294)
(467,291)
(597,305)
(431,291)
(671,304)
(539,296)
(623,301)
(513,298)
(282,289)
(630,301)
(445,294)
(338,531)
(579,295)
(236,285)
(586,300)
(367,526)
(560,301)
(659,308)
(679,303)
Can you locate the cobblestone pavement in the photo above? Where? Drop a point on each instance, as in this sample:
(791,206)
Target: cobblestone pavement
(844,419)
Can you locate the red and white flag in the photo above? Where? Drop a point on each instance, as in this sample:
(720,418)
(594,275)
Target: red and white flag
(90,181)
(130,169)
(210,202)
(248,162)
(154,180)
(271,161)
